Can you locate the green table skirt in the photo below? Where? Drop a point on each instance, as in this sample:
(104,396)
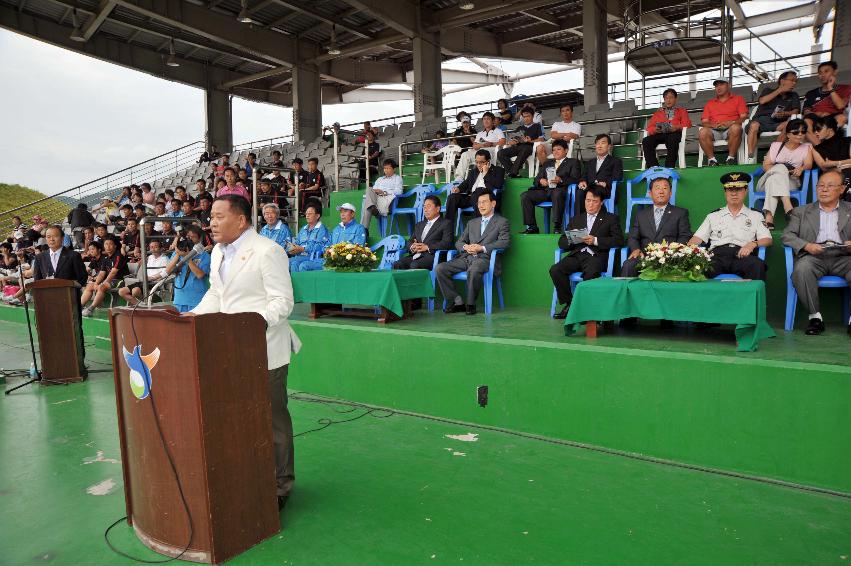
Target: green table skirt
(726,302)
(385,288)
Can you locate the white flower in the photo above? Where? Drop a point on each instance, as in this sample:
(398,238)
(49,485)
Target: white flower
(348,256)
(662,260)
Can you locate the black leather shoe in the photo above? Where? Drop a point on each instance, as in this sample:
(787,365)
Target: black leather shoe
(849,329)
(666,324)
(531,230)
(471,309)
(557,229)
(282,501)
(454,308)
(815,327)
(562,314)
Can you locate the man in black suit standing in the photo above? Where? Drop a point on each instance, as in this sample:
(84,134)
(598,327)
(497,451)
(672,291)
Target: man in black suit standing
(591,255)
(662,221)
(482,237)
(485,178)
(430,234)
(566,173)
(61,263)
(601,171)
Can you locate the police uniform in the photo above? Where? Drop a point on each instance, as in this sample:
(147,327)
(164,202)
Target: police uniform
(725,234)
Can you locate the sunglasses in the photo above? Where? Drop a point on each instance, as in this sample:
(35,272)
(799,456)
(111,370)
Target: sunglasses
(798,133)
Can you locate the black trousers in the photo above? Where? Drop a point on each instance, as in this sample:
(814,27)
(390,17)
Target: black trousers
(725,260)
(282,430)
(425,261)
(528,200)
(672,144)
(591,267)
(520,151)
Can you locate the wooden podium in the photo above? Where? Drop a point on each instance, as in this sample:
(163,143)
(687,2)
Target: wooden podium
(60,337)
(209,386)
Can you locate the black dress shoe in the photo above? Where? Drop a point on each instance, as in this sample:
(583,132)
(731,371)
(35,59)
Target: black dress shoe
(374,210)
(556,228)
(815,327)
(454,308)
(514,175)
(849,329)
(562,314)
(471,309)
(531,230)
(666,324)
(282,501)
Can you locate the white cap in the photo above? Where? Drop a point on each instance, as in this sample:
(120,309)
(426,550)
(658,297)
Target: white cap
(347,206)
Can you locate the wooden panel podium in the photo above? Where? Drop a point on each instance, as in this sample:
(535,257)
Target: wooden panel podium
(60,338)
(209,386)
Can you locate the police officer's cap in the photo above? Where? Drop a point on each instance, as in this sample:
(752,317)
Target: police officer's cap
(735,181)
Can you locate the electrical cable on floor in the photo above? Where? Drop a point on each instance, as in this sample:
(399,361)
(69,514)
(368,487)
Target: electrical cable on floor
(313,398)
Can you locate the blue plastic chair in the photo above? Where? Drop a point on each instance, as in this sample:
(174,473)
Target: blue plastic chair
(648,176)
(415,211)
(393,246)
(443,192)
(760,254)
(800,195)
(433,275)
(488,281)
(568,208)
(828,281)
(576,277)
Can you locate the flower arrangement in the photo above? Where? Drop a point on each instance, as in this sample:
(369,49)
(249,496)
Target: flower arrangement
(674,262)
(349,257)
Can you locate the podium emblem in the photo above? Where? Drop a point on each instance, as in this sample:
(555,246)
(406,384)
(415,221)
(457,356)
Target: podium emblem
(140,370)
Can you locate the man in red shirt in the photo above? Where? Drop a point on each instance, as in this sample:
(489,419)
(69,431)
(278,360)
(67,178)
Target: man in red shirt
(722,120)
(830,99)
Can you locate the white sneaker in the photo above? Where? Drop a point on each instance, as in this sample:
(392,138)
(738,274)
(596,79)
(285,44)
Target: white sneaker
(87,311)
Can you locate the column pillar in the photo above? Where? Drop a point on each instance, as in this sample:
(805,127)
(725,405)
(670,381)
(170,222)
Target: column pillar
(218,120)
(428,84)
(307,103)
(595,47)
(841,48)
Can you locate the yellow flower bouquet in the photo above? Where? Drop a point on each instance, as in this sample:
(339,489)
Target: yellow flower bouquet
(349,257)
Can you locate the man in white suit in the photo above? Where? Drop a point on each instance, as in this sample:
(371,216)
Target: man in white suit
(249,273)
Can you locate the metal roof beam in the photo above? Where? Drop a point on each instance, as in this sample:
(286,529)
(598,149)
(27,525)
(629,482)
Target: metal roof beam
(310,12)
(400,15)
(103,12)
(455,17)
(477,43)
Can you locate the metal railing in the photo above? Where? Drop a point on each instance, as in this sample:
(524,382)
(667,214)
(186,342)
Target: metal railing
(259,144)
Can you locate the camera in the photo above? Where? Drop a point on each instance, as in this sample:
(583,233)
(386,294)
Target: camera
(184,244)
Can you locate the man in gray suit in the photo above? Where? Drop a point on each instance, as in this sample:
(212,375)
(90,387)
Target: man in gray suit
(662,221)
(481,238)
(820,235)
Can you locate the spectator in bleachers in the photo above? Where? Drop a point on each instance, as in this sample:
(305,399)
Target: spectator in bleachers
(192,281)
(181,194)
(373,152)
(498,124)
(201,190)
(432,233)
(348,230)
(186,209)
(490,139)
(8,263)
(665,127)
(124,197)
(333,131)
(203,213)
(106,209)
(124,214)
(550,188)
(112,270)
(592,254)
(242,177)
(784,165)
(210,155)
(537,117)
(150,233)
(130,240)
(88,238)
(274,228)
(776,106)
(734,233)
(829,99)
(168,235)
(18,227)
(175,210)
(465,132)
(297,178)
(504,111)
(159,211)
(149,197)
(139,211)
(276,159)
(378,198)
(364,135)
(833,151)
(310,241)
(101,232)
(820,235)
(231,187)
(250,163)
(722,120)
(314,185)
(602,171)
(485,178)
(269,194)
(565,130)
(78,218)
(156,263)
(224,163)
(654,224)
(92,255)
(483,236)
(520,145)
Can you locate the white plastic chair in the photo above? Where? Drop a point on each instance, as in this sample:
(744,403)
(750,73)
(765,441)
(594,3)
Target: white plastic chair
(741,155)
(532,163)
(446,161)
(681,152)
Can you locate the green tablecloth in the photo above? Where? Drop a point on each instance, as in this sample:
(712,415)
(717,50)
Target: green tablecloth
(727,302)
(385,288)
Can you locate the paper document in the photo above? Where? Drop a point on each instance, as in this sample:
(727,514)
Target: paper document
(575,236)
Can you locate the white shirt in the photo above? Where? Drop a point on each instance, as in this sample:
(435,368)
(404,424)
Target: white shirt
(426,228)
(567,128)
(229,251)
(392,185)
(54,258)
(156,266)
(480,181)
(828,226)
(492,136)
(590,219)
(600,161)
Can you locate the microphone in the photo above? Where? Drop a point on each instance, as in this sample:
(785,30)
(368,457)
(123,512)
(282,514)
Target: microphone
(196,249)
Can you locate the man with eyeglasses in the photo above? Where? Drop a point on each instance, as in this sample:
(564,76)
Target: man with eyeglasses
(820,235)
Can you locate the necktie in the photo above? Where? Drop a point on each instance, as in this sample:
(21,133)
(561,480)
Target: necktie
(484,224)
(657,216)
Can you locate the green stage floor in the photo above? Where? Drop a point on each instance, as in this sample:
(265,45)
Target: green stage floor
(397,490)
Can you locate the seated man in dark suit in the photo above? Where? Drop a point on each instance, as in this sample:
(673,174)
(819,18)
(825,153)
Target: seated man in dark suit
(662,221)
(592,254)
(600,171)
(485,178)
(482,236)
(566,173)
(820,235)
(430,234)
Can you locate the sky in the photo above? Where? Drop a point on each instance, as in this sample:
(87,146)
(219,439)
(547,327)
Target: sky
(78,118)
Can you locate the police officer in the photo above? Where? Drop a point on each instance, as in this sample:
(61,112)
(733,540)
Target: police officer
(734,232)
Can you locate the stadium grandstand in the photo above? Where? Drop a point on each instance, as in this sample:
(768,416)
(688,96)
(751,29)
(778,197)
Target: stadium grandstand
(529,381)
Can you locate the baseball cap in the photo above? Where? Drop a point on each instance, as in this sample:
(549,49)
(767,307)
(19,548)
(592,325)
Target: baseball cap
(720,80)
(347,206)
